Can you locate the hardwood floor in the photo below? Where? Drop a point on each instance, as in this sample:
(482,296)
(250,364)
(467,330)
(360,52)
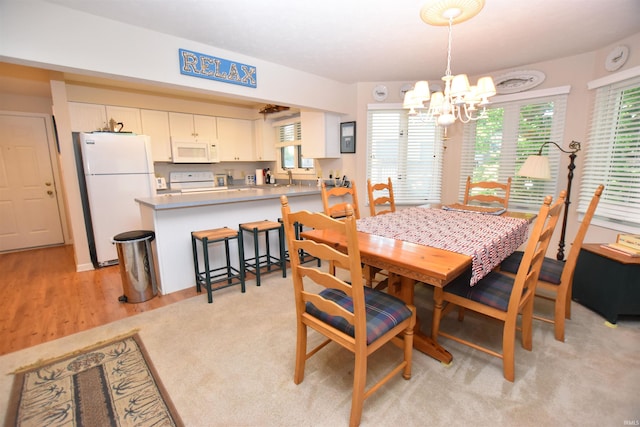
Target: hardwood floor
(43,298)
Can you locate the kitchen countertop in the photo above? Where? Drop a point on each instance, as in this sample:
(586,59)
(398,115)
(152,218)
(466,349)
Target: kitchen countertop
(231,195)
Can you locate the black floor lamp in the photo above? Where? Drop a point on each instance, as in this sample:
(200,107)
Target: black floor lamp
(537,166)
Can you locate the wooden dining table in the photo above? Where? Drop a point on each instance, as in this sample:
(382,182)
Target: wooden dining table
(409,262)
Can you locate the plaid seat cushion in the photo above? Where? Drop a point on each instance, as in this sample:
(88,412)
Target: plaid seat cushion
(493,290)
(384,312)
(551,268)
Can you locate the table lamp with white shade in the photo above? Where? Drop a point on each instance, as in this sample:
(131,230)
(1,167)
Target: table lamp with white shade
(537,167)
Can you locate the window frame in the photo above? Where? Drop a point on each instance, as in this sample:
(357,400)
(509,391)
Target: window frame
(296,142)
(614,140)
(526,194)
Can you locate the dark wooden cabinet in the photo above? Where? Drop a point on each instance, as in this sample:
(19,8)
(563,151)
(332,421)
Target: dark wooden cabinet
(607,282)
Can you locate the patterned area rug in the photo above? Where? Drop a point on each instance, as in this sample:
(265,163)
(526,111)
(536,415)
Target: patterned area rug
(109,384)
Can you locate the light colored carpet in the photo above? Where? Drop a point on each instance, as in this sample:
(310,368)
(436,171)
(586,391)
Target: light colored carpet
(230,363)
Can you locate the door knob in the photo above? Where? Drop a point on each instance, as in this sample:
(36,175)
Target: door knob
(50,193)
(48,184)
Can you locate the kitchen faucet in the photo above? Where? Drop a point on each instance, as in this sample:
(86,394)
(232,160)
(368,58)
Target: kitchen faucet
(290,174)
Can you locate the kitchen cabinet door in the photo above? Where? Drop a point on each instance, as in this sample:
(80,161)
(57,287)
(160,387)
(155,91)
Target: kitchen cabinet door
(236,140)
(155,124)
(129,117)
(87,117)
(265,139)
(320,135)
(192,126)
(181,125)
(205,127)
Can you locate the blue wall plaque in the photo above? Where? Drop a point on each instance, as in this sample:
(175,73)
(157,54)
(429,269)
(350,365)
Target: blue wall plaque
(209,67)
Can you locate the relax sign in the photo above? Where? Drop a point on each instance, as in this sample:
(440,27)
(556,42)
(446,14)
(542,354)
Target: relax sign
(209,67)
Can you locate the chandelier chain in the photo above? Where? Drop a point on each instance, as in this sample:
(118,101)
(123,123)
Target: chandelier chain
(448,70)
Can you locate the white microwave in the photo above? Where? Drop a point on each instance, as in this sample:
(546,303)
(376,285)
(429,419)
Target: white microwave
(194,151)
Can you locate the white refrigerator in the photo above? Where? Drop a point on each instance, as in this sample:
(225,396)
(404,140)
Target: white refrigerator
(117,169)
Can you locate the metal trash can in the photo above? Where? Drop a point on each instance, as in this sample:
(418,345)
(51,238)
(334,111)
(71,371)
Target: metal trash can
(136,265)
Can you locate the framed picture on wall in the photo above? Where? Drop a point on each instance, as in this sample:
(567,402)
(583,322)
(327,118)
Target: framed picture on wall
(348,137)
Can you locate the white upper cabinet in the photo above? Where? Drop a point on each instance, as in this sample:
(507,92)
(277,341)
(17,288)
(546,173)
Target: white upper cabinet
(192,126)
(320,135)
(87,117)
(265,139)
(155,124)
(205,127)
(236,140)
(129,117)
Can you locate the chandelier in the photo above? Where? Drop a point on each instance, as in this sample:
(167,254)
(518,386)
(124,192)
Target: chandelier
(459,100)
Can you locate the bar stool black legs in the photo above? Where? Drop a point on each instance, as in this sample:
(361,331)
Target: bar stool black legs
(210,276)
(257,262)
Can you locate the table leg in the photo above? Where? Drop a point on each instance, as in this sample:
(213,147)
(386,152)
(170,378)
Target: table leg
(437,310)
(403,288)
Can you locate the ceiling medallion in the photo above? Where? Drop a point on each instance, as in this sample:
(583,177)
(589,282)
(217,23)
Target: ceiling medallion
(438,12)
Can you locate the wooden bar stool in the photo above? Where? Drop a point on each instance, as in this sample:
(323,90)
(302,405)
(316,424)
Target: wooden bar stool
(255,263)
(210,276)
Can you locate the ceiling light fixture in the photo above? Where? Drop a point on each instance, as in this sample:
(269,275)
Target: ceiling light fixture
(459,100)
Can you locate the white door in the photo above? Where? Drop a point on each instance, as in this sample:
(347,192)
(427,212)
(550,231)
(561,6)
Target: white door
(29,215)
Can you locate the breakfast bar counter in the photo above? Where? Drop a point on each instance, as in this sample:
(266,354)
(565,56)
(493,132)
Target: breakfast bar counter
(173,216)
(179,200)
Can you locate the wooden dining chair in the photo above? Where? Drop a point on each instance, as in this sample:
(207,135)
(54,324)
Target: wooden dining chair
(336,208)
(501,296)
(556,277)
(386,199)
(499,192)
(346,312)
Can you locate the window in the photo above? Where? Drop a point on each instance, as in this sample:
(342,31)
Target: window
(289,138)
(409,151)
(495,148)
(612,156)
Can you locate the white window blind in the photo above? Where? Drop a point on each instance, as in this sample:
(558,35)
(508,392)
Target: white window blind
(495,148)
(407,149)
(290,134)
(612,156)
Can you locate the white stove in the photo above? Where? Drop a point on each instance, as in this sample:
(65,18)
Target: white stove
(194,182)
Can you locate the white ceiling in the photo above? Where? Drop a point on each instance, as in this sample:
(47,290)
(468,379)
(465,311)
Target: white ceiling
(381,40)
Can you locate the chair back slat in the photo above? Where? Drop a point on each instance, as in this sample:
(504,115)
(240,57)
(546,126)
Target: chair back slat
(325,279)
(328,307)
